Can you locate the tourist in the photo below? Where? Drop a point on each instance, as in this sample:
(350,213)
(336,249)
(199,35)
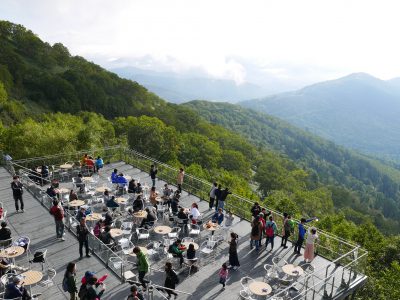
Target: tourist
(99,163)
(16,290)
(79,183)
(108,220)
(138,204)
(218,192)
(83,160)
(233,255)
(58,213)
(191,252)
(263,222)
(106,237)
(255,209)
(212,195)
(224,194)
(152,197)
(5,232)
(171,279)
(121,181)
(182,215)
(302,233)
(111,203)
(139,188)
(52,193)
(256,229)
(73,196)
(81,213)
(70,281)
(194,213)
(44,174)
(312,236)
(153,174)
(17,190)
(167,193)
(114,176)
(229,219)
(223,275)
(106,196)
(142,265)
(94,290)
(83,236)
(175,202)
(132,186)
(150,219)
(218,217)
(98,227)
(286,230)
(270,231)
(135,295)
(176,250)
(90,165)
(179,180)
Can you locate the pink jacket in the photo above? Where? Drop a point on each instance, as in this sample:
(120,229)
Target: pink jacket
(223,273)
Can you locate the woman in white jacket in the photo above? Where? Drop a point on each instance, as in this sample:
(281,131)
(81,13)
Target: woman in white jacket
(309,250)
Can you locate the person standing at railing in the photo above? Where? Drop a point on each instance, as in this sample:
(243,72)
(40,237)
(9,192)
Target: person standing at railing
(212,195)
(224,195)
(312,236)
(58,213)
(286,229)
(99,163)
(181,175)
(17,190)
(83,237)
(302,233)
(153,174)
(218,192)
(270,231)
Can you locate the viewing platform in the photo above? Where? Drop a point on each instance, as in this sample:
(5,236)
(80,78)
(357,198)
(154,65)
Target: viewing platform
(335,273)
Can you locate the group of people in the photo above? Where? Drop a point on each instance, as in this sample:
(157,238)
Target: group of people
(93,165)
(218,196)
(179,179)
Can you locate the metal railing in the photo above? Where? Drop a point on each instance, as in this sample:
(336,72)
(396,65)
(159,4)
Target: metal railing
(333,248)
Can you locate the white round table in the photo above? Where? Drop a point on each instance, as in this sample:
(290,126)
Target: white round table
(292,270)
(260,288)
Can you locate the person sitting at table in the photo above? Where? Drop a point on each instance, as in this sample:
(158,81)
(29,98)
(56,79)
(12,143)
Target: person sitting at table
(139,188)
(114,176)
(191,252)
(108,220)
(52,193)
(106,195)
(79,183)
(153,196)
(138,204)
(94,290)
(15,289)
(218,217)
(81,213)
(135,294)
(175,202)
(149,220)
(89,162)
(45,171)
(99,163)
(73,196)
(176,249)
(112,203)
(167,193)
(83,159)
(106,236)
(55,183)
(34,175)
(98,227)
(121,180)
(182,215)
(5,232)
(132,186)
(194,213)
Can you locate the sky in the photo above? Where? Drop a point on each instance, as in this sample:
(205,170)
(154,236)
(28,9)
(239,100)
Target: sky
(296,42)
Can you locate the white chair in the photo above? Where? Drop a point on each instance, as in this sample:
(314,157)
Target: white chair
(194,229)
(174,232)
(270,272)
(245,295)
(188,240)
(142,234)
(207,250)
(39,256)
(127,248)
(48,282)
(116,262)
(127,227)
(244,282)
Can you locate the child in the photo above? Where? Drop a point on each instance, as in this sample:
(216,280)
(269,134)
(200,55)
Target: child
(223,275)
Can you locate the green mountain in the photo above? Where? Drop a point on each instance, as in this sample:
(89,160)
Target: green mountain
(357,181)
(357,111)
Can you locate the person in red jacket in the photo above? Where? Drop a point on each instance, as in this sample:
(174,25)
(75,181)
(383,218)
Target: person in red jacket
(58,212)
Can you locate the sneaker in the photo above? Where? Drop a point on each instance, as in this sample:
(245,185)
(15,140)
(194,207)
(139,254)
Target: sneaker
(62,239)
(285,247)
(88,255)
(229,267)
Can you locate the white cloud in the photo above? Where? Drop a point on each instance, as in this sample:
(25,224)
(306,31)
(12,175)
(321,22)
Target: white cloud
(293,38)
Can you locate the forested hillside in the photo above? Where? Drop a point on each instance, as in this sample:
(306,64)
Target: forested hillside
(53,102)
(355,181)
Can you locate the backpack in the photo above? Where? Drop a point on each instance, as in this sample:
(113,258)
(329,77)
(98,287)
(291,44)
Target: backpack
(255,230)
(65,284)
(82,292)
(269,231)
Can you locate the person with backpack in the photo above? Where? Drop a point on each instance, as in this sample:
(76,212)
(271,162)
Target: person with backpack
(69,281)
(256,229)
(286,229)
(270,231)
(171,280)
(142,265)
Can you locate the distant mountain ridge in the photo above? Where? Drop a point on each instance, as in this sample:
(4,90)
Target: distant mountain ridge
(178,88)
(358,111)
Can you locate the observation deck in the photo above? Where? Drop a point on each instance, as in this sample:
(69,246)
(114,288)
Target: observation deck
(335,273)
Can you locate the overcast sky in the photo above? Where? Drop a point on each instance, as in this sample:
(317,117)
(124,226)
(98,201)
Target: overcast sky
(299,41)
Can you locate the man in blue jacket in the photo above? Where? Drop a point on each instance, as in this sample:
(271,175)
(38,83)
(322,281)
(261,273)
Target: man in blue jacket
(302,233)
